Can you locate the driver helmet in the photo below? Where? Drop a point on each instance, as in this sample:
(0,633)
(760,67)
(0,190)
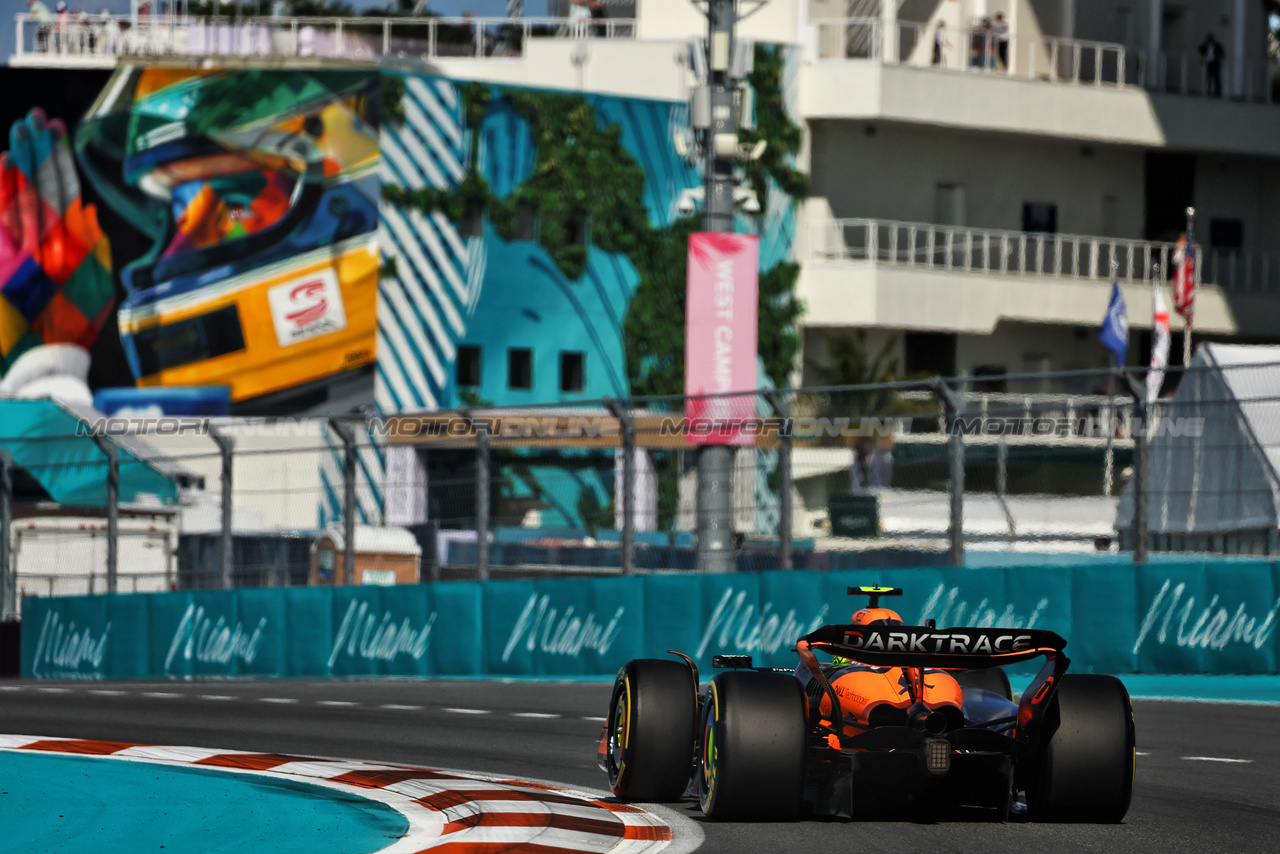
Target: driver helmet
(869,617)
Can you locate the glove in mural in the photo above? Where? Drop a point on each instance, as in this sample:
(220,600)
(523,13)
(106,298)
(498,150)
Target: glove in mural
(55,263)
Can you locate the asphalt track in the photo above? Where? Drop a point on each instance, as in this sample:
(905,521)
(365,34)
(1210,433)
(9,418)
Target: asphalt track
(1208,774)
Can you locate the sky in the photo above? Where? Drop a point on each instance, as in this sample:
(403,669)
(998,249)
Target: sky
(480,8)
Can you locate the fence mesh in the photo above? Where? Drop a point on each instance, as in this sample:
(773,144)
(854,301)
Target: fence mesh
(895,474)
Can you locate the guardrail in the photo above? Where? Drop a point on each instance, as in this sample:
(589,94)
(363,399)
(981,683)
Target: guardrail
(1048,58)
(353,38)
(1018,253)
(1164,617)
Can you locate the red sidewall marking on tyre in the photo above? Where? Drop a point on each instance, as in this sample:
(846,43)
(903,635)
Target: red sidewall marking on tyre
(447,811)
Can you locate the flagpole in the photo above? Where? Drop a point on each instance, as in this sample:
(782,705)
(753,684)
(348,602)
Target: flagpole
(1190,317)
(1110,424)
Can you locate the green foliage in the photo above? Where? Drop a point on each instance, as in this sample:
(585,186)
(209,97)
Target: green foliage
(779,311)
(773,125)
(593,514)
(391,99)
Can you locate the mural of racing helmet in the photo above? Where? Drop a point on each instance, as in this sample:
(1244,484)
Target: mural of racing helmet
(259,190)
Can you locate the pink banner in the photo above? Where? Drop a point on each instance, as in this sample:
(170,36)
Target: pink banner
(720,337)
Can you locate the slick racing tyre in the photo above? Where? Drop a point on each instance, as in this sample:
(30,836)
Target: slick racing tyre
(752,758)
(649,753)
(1086,766)
(990,679)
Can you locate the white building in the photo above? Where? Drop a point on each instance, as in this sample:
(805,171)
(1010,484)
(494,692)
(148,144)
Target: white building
(973,204)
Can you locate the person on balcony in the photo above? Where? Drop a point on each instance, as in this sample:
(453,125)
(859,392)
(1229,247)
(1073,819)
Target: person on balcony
(980,44)
(43,18)
(1000,28)
(1212,52)
(940,43)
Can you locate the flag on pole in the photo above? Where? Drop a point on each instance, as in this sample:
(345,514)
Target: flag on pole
(1114,334)
(1159,341)
(1184,274)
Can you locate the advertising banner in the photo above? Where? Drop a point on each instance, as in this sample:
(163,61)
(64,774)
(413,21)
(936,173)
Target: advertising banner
(721,314)
(1197,617)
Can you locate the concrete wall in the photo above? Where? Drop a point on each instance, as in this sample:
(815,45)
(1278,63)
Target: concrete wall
(894,174)
(1241,188)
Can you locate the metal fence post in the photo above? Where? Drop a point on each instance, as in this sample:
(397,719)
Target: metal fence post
(781,410)
(1139,522)
(8,577)
(628,484)
(347,435)
(108,448)
(226,445)
(482,500)
(954,406)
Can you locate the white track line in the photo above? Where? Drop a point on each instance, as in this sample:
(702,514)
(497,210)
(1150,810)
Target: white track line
(399,708)
(1217,759)
(467,711)
(532,715)
(103,692)
(276,700)
(159,694)
(216,697)
(335,703)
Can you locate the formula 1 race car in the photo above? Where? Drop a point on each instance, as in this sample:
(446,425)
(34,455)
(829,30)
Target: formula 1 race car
(904,721)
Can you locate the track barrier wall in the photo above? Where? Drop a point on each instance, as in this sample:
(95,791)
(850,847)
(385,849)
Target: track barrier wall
(1213,617)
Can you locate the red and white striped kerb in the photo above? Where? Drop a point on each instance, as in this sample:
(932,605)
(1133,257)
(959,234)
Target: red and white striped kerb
(447,811)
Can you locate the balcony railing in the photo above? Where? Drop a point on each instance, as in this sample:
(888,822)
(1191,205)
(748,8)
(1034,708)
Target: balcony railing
(107,36)
(1016,253)
(1056,60)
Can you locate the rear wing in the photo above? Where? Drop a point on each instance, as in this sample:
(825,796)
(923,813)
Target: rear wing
(921,646)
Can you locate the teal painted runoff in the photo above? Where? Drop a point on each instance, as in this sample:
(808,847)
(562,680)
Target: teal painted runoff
(54,804)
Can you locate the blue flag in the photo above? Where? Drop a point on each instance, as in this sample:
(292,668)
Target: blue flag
(1115,326)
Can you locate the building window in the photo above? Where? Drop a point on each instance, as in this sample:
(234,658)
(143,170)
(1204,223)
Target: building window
(467,368)
(572,373)
(520,368)
(1226,233)
(1039,217)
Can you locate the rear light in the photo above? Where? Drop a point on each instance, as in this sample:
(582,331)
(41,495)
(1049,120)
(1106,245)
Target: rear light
(937,756)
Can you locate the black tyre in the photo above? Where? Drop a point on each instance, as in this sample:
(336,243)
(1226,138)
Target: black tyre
(651,724)
(991,679)
(753,746)
(1085,770)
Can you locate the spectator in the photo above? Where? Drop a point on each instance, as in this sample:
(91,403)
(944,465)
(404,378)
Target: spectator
(940,43)
(64,25)
(596,7)
(579,14)
(1212,53)
(109,38)
(43,18)
(980,42)
(1001,30)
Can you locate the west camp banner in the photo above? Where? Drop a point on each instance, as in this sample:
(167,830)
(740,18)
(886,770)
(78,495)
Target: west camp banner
(1213,617)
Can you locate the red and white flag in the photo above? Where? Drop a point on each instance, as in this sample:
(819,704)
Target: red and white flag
(1184,276)
(1159,342)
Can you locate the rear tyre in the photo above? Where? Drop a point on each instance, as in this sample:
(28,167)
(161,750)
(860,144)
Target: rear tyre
(1086,766)
(990,679)
(652,716)
(753,749)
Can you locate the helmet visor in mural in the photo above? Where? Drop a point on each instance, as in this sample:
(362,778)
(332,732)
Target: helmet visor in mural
(232,170)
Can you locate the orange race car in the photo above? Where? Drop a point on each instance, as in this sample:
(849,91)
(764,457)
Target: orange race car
(903,720)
